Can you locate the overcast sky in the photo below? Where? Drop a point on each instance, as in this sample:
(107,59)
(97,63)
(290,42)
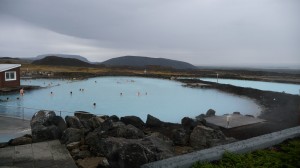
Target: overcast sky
(201,32)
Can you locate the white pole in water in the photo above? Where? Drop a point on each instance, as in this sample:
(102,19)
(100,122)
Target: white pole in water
(217,77)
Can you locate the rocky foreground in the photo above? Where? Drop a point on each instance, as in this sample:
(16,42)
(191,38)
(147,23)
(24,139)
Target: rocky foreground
(109,141)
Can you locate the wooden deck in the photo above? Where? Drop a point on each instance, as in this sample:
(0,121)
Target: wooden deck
(235,120)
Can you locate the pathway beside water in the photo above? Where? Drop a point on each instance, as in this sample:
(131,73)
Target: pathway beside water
(12,128)
(267,86)
(37,155)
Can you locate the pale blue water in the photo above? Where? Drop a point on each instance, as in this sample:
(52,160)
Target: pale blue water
(165,99)
(268,86)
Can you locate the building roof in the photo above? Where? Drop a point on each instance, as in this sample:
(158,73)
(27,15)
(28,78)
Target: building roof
(5,67)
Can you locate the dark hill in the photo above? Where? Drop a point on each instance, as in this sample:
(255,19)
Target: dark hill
(137,61)
(81,58)
(58,61)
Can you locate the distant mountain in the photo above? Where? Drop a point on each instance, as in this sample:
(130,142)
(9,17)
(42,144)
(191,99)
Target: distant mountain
(59,61)
(138,61)
(81,58)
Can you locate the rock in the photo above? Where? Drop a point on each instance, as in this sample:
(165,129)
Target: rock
(74,151)
(159,144)
(132,156)
(109,124)
(72,135)
(210,113)
(20,141)
(93,162)
(41,117)
(84,147)
(95,122)
(126,131)
(180,137)
(41,133)
(82,115)
(58,121)
(123,152)
(201,118)
(203,137)
(114,118)
(73,122)
(133,120)
(82,154)
(188,123)
(153,122)
(45,125)
(73,145)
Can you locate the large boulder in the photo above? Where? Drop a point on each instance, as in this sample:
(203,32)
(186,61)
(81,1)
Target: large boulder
(188,123)
(93,162)
(73,122)
(153,122)
(126,131)
(26,139)
(203,137)
(95,122)
(133,120)
(210,113)
(133,156)
(123,152)
(41,117)
(45,125)
(82,115)
(180,137)
(159,144)
(72,135)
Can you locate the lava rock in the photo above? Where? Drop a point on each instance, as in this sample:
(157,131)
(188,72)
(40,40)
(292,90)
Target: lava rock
(133,120)
(45,125)
(210,113)
(180,137)
(20,141)
(153,122)
(72,135)
(203,137)
(73,122)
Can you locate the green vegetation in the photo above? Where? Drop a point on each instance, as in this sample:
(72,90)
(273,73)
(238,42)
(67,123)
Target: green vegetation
(287,154)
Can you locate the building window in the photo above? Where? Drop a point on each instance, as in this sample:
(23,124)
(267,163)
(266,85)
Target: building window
(10,75)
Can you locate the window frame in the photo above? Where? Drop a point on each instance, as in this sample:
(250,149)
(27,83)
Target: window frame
(10,72)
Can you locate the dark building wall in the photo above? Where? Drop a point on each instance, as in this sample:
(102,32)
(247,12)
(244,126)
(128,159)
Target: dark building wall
(14,83)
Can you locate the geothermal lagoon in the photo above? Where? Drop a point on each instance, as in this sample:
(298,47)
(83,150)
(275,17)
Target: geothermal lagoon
(123,96)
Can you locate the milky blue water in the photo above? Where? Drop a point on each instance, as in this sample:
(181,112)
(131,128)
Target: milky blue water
(165,99)
(268,86)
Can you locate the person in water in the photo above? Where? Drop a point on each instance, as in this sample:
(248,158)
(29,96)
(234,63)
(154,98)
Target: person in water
(22,92)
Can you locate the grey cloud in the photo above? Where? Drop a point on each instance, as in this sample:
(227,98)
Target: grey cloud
(198,31)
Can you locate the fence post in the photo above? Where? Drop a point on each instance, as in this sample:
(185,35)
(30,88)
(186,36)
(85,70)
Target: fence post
(23,112)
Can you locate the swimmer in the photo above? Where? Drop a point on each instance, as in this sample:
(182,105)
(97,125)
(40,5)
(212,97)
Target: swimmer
(22,92)
(121,94)
(71,92)
(94,104)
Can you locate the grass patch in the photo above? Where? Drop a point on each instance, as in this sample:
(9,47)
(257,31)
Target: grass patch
(286,154)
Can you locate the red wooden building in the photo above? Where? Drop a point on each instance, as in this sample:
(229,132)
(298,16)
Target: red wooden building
(9,75)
